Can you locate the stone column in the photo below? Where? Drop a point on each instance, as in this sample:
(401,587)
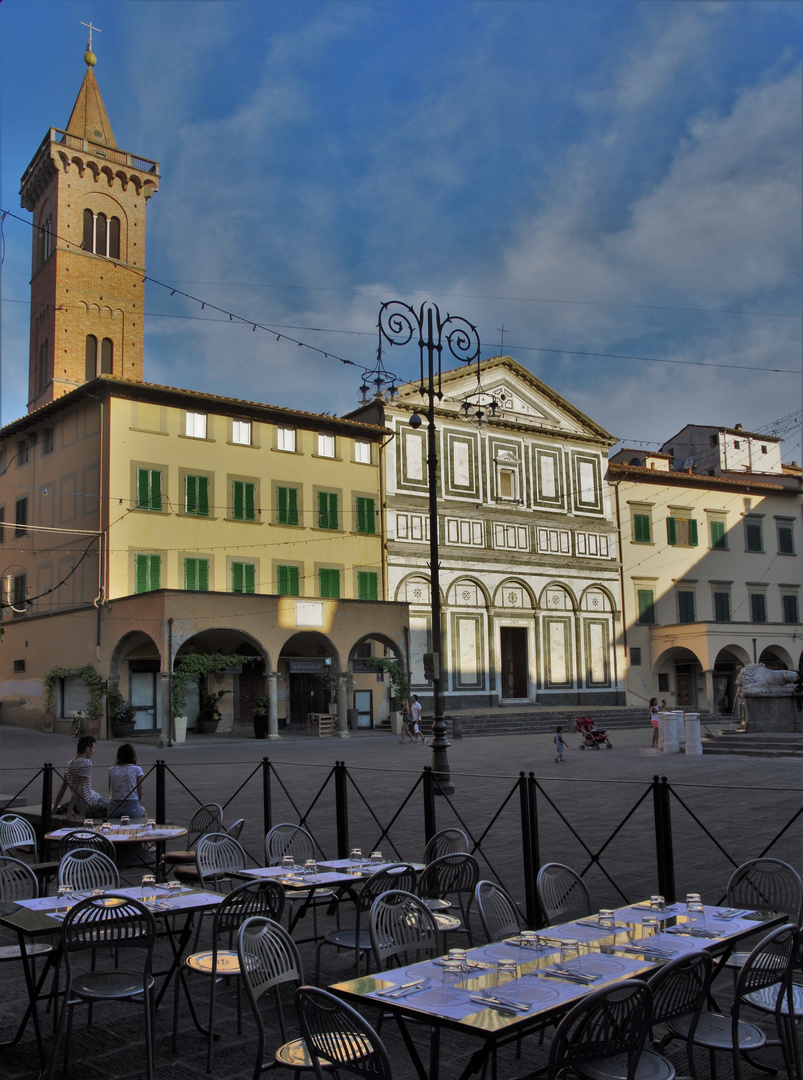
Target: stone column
(342,704)
(273,706)
(709,692)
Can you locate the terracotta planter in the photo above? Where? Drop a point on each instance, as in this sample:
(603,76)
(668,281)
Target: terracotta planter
(122,730)
(207,725)
(48,721)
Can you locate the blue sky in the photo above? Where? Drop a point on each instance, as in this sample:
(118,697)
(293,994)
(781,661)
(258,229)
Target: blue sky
(600,178)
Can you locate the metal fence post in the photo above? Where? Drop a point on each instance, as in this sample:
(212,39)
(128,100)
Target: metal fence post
(342,810)
(161,808)
(267,814)
(47,798)
(428,789)
(663,838)
(527,846)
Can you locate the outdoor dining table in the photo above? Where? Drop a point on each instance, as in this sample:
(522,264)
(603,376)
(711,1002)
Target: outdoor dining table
(42,918)
(137,833)
(543,989)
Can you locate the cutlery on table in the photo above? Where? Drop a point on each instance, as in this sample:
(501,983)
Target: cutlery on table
(493,1003)
(567,976)
(388,991)
(647,950)
(508,1003)
(416,989)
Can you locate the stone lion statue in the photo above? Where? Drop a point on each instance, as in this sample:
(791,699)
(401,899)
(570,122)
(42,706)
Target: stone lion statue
(756,679)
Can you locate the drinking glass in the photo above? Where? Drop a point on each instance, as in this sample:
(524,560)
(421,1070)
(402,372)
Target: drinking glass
(310,868)
(89,823)
(569,950)
(376,857)
(125,821)
(288,865)
(695,912)
(529,940)
(452,973)
(650,926)
(459,957)
(657,903)
(356,860)
(692,898)
(105,827)
(506,971)
(607,919)
(174,887)
(63,895)
(150,823)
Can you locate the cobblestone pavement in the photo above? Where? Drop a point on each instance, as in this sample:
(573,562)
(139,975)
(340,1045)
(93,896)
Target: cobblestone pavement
(742,805)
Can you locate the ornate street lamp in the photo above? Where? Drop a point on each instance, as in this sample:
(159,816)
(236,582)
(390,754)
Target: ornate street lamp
(398,324)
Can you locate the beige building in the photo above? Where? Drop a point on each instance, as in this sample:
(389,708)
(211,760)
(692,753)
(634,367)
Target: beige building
(139,523)
(711,564)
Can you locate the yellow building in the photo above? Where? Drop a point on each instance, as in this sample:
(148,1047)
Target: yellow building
(253,529)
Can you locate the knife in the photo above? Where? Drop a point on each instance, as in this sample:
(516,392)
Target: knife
(561,975)
(404,986)
(492,1003)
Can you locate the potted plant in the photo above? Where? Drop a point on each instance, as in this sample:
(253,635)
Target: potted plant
(259,713)
(208,712)
(399,687)
(120,714)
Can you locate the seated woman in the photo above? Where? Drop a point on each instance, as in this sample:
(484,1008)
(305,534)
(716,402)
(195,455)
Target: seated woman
(125,784)
(83,800)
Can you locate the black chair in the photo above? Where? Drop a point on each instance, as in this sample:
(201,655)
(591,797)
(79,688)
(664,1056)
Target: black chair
(445,842)
(562,894)
(114,926)
(263,899)
(81,838)
(452,877)
(206,819)
(337,1036)
(357,939)
(764,884)
(17,837)
(679,989)
(498,913)
(402,930)
(288,839)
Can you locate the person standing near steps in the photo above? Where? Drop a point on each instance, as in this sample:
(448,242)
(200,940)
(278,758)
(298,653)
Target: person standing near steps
(415,712)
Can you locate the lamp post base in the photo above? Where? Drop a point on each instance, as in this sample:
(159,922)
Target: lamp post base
(440,760)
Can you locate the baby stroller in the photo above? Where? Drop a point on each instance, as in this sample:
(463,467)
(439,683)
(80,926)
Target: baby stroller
(592,737)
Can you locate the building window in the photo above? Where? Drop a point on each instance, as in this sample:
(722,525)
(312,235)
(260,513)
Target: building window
(327,510)
(149,489)
(243,577)
(790,608)
(367,585)
(47,440)
(719,537)
(243,501)
(196,495)
(663,682)
(722,606)
(326,446)
(758,607)
(107,356)
(195,425)
(22,452)
(635,656)
(286,439)
(786,538)
(737,445)
(329,583)
(763,449)
(101,235)
(642,528)
(21,517)
(196,575)
(241,432)
(147,573)
(19,595)
(287,506)
(91,368)
(43,368)
(681,531)
(685,606)
(366,519)
(714,440)
(646,606)
(287,581)
(362,452)
(753,535)
(507,486)
(46,239)
(19,665)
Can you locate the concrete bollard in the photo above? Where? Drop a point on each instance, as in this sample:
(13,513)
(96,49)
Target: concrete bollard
(693,742)
(680,728)
(669,733)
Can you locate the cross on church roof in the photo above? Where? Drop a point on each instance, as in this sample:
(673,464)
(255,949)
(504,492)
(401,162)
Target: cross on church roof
(91,28)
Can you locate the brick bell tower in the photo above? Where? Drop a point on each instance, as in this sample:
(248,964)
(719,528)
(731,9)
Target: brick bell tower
(88,203)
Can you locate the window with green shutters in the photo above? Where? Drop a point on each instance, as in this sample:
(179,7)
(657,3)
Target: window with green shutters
(786,540)
(147,573)
(243,502)
(287,506)
(287,580)
(149,489)
(642,529)
(681,532)
(753,536)
(243,577)
(685,606)
(366,521)
(329,581)
(790,609)
(722,607)
(196,495)
(758,607)
(367,585)
(719,538)
(196,575)
(646,606)
(327,510)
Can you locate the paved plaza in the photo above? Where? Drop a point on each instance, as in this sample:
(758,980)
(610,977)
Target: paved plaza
(724,810)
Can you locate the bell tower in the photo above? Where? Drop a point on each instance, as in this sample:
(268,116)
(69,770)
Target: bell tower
(88,202)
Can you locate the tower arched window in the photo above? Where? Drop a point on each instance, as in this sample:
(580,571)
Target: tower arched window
(42,371)
(91,357)
(106,356)
(101,235)
(46,239)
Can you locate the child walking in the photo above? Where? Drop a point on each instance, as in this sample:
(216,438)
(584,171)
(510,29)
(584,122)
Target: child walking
(560,746)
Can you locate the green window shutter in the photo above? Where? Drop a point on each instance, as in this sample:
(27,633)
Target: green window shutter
(329,583)
(367,585)
(693,532)
(281,501)
(718,535)
(249,577)
(156,490)
(670,530)
(250,504)
(203,496)
(143,489)
(327,510)
(641,528)
(190,573)
(789,608)
(365,516)
(191,494)
(722,607)
(758,607)
(292,507)
(646,606)
(287,580)
(140,573)
(237,577)
(786,543)
(238,500)
(686,607)
(155,568)
(203,575)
